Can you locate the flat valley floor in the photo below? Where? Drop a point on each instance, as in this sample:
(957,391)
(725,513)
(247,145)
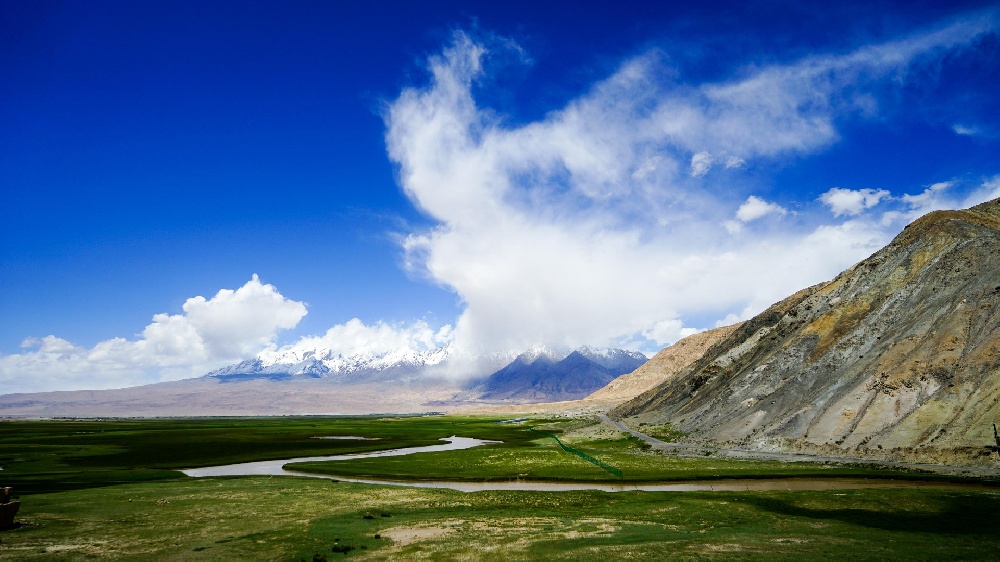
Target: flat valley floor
(111,488)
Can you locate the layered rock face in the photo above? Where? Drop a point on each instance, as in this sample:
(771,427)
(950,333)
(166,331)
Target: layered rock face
(898,357)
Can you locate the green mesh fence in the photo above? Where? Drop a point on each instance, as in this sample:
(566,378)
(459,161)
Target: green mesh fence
(603,465)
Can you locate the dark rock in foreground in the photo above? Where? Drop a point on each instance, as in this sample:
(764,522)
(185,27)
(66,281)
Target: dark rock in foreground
(8,509)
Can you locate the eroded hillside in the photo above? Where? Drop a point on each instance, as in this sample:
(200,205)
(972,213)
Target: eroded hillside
(663,365)
(899,356)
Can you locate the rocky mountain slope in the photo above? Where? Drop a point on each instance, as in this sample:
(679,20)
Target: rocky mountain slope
(543,376)
(897,357)
(669,361)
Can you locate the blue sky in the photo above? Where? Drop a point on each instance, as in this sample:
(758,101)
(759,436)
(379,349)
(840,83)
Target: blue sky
(594,158)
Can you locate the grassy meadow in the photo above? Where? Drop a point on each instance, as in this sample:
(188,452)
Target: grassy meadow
(55,455)
(297,518)
(109,488)
(542,459)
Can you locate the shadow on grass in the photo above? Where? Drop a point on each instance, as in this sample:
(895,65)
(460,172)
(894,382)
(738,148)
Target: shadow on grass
(47,483)
(956,515)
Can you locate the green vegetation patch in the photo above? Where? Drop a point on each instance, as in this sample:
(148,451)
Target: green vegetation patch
(287,518)
(58,455)
(543,460)
(664,432)
(617,473)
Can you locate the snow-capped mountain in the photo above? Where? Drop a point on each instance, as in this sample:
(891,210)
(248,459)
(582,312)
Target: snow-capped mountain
(542,374)
(616,360)
(397,364)
(407,363)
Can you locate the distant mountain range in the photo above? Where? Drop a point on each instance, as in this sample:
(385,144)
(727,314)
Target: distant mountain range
(398,364)
(544,375)
(319,381)
(540,373)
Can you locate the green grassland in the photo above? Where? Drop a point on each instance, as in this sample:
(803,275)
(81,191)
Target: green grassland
(287,518)
(542,459)
(110,488)
(53,455)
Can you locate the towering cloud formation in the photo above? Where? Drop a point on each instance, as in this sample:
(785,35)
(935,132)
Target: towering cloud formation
(603,222)
(354,337)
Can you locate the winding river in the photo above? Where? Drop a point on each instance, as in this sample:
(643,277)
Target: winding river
(276,468)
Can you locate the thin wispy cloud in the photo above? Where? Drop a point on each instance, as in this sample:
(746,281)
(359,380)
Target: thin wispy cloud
(965,130)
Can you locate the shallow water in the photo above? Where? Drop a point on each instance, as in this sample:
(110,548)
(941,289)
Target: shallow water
(276,468)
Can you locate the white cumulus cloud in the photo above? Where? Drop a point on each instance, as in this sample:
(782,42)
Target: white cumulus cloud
(852,201)
(232,325)
(755,207)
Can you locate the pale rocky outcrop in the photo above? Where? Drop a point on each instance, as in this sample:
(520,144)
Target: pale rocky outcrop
(896,358)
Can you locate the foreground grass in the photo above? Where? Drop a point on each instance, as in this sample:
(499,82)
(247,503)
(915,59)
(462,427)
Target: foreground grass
(285,518)
(109,489)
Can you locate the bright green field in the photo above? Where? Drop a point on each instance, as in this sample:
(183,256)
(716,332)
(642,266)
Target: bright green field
(76,479)
(285,518)
(44,456)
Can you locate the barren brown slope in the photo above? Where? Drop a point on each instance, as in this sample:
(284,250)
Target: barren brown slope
(668,362)
(899,356)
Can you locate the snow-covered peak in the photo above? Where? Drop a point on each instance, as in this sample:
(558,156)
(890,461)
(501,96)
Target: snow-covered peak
(406,361)
(615,359)
(365,359)
(536,352)
(320,361)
